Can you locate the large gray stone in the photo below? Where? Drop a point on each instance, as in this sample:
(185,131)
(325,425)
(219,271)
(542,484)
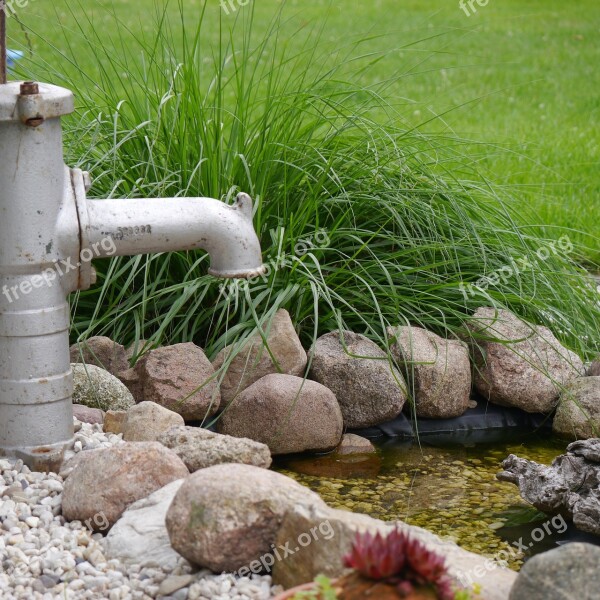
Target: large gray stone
(101,352)
(519,364)
(254,361)
(287,413)
(140,536)
(146,421)
(225,517)
(438,371)
(369,390)
(569,487)
(178,377)
(199,448)
(578,414)
(570,572)
(96,388)
(331,533)
(106,481)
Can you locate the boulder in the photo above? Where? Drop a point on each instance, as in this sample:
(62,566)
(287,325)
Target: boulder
(96,388)
(570,572)
(85,414)
(131,380)
(438,371)
(519,364)
(138,348)
(114,421)
(319,538)
(140,536)
(178,377)
(101,352)
(146,421)
(254,361)
(594,370)
(108,480)
(199,448)
(355,444)
(369,390)
(578,414)
(287,413)
(568,487)
(226,517)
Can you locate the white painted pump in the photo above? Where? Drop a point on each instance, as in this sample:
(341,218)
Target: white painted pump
(46,227)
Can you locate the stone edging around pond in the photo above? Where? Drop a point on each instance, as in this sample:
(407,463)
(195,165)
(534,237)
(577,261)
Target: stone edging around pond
(351,384)
(235,518)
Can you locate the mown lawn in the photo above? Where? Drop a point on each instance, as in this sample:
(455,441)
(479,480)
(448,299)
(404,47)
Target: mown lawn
(521,76)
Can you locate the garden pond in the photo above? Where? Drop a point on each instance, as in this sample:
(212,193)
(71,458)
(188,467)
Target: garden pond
(449,490)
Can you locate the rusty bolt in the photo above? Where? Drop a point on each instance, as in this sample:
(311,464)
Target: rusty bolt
(29,88)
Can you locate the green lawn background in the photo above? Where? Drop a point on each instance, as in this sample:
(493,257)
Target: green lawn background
(523,76)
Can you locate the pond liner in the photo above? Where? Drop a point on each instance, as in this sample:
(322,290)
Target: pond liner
(487,423)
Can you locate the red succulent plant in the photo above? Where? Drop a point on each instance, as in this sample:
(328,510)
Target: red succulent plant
(399,560)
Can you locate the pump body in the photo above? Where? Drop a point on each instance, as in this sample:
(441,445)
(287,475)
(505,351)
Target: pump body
(49,232)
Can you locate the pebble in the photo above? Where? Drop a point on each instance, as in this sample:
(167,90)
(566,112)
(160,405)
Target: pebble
(42,557)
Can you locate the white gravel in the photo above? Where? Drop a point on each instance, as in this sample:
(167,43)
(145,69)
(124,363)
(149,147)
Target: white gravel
(42,557)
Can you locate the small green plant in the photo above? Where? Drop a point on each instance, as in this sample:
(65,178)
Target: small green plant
(323,591)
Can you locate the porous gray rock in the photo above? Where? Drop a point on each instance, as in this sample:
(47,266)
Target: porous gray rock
(569,572)
(146,421)
(108,480)
(355,444)
(253,361)
(570,486)
(519,364)
(96,388)
(140,535)
(287,413)
(227,516)
(100,351)
(438,371)
(369,390)
(178,377)
(332,533)
(200,448)
(578,414)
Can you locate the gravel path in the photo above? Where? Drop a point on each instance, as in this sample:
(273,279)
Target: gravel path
(44,558)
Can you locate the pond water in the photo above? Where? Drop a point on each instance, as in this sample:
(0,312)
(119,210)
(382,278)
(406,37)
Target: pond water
(451,491)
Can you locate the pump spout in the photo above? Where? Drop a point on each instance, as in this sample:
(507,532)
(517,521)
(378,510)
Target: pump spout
(142,226)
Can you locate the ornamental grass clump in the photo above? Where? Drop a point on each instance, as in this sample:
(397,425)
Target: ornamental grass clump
(365,222)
